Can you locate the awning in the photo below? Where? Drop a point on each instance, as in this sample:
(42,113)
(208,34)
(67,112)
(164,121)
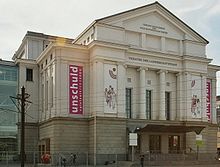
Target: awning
(171,128)
(165,126)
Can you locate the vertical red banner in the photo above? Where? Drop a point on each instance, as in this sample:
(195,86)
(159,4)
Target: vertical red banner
(75,89)
(208,100)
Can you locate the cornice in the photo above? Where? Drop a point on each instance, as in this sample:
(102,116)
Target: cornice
(26,61)
(196,58)
(57,45)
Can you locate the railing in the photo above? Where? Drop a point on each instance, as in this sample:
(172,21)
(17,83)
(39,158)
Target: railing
(60,159)
(67,159)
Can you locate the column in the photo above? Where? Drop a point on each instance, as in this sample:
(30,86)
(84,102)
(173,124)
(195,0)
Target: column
(213,102)
(203,98)
(142,91)
(179,97)
(121,90)
(162,80)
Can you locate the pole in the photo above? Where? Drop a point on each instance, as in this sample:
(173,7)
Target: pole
(132,153)
(22,151)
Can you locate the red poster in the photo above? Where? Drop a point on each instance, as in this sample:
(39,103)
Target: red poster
(75,89)
(208,100)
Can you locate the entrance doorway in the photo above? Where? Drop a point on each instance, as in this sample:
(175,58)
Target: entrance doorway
(155,144)
(174,144)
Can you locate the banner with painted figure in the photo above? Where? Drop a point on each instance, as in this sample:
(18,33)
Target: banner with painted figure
(75,89)
(196,97)
(110,88)
(208,99)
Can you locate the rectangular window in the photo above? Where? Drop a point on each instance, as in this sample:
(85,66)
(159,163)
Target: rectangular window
(51,92)
(174,144)
(167,105)
(29,74)
(128,107)
(42,92)
(148,104)
(46,96)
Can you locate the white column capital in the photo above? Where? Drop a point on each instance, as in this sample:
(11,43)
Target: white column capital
(142,68)
(179,74)
(162,71)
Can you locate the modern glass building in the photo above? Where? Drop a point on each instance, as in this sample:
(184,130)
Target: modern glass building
(8,111)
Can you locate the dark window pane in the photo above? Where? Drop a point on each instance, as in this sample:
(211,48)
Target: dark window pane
(128,107)
(29,74)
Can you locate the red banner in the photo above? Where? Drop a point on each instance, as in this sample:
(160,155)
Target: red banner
(75,89)
(208,99)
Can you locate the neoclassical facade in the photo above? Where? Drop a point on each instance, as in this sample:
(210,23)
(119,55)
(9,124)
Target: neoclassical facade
(142,71)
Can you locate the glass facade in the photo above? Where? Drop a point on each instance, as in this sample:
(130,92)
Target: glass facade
(8,111)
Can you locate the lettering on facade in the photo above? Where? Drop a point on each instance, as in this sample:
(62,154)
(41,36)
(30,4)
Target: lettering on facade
(75,89)
(153,28)
(144,60)
(208,99)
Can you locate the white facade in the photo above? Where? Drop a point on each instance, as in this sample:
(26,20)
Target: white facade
(146,48)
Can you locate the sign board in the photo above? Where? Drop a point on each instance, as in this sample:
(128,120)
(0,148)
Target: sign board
(199,141)
(208,99)
(75,89)
(132,139)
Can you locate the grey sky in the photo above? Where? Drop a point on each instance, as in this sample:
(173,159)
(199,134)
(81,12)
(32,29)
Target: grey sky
(70,17)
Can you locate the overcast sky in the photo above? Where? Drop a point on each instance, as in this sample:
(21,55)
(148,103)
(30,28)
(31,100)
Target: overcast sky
(68,18)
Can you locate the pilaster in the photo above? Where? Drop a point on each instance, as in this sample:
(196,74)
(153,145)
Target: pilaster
(162,80)
(203,98)
(213,101)
(179,97)
(121,90)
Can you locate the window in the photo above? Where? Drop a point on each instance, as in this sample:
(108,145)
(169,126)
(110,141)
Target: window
(46,96)
(148,104)
(128,107)
(51,92)
(29,74)
(167,105)
(42,96)
(174,144)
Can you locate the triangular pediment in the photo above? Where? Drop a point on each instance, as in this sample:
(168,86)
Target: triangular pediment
(153,19)
(155,24)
